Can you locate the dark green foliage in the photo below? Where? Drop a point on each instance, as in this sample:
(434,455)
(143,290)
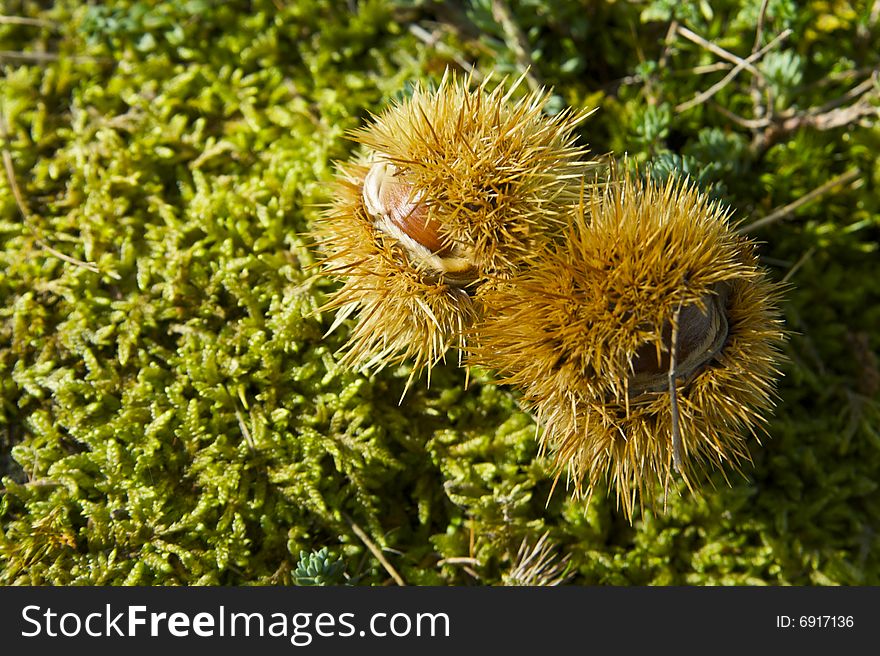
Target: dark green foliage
(170,409)
(672,165)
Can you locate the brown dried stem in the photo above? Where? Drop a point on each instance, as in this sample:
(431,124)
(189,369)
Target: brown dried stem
(24,210)
(703,96)
(376,551)
(786,210)
(673,394)
(22,20)
(517,42)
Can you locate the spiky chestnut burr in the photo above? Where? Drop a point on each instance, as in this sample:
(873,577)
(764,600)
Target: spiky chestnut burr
(453,186)
(646,342)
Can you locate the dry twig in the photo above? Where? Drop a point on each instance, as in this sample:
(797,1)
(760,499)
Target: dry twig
(767,128)
(797,265)
(538,565)
(721,52)
(432,40)
(673,394)
(703,96)
(376,551)
(17,55)
(22,20)
(785,211)
(24,210)
(517,42)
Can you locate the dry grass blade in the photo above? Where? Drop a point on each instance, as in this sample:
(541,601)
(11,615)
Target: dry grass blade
(673,394)
(376,551)
(782,212)
(22,20)
(718,50)
(25,211)
(702,97)
(517,42)
(538,565)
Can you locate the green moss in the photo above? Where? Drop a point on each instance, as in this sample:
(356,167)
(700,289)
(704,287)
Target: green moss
(171,411)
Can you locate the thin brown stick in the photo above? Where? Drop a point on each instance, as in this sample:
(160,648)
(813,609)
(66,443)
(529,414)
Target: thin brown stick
(859,90)
(10,171)
(72,260)
(375,551)
(459,560)
(718,50)
(759,82)
(25,211)
(836,118)
(471,572)
(36,483)
(673,395)
(823,117)
(17,55)
(668,40)
(517,42)
(703,96)
(759,30)
(432,40)
(705,69)
(841,76)
(782,212)
(761,109)
(244,430)
(749,123)
(21,20)
(797,265)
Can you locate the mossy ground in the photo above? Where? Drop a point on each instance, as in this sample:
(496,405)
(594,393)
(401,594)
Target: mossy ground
(170,411)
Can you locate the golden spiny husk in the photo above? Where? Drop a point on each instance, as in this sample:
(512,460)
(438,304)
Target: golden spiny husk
(403,312)
(567,330)
(493,175)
